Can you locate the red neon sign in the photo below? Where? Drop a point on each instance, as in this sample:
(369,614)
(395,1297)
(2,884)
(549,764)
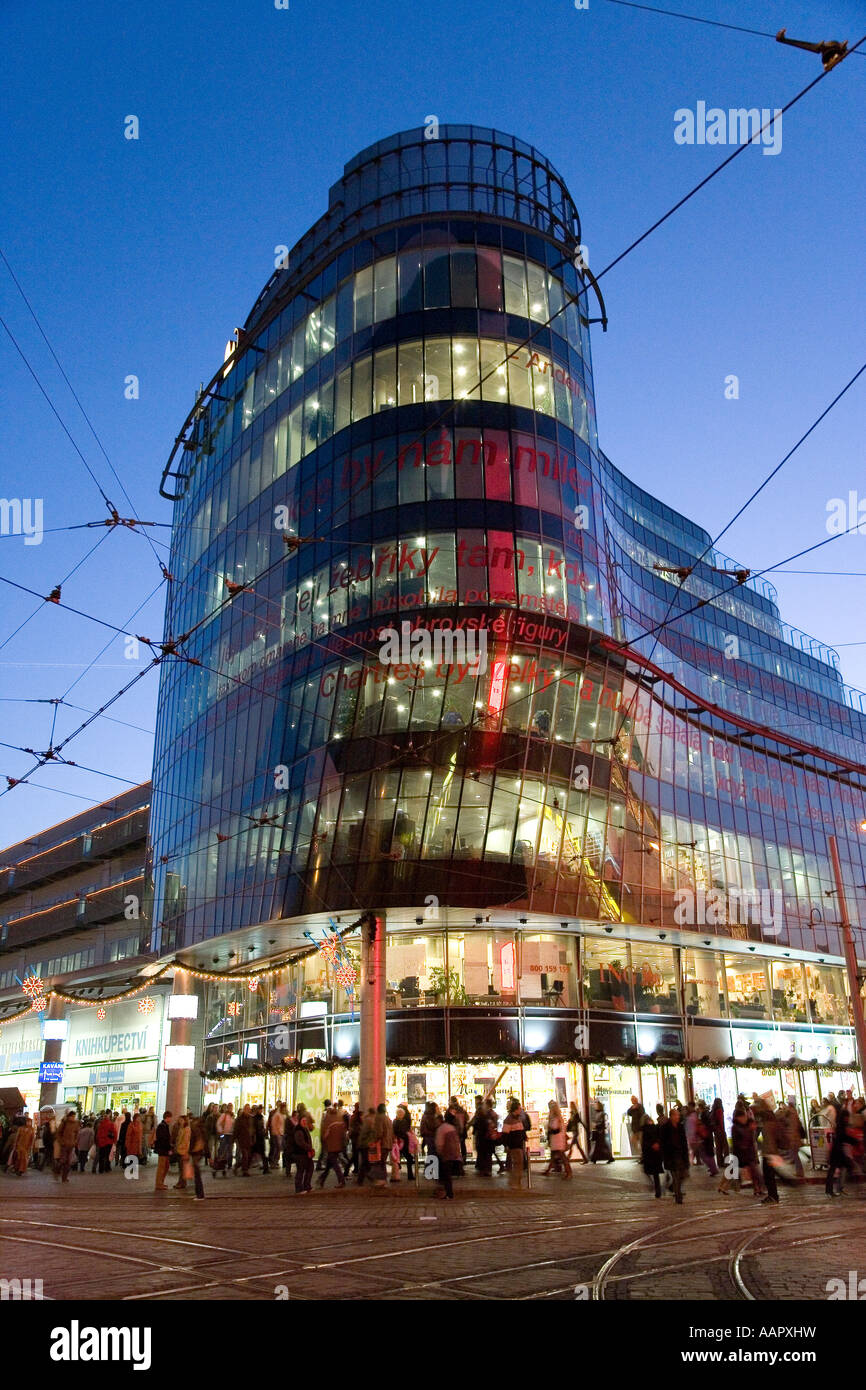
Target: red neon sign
(496,698)
(506,965)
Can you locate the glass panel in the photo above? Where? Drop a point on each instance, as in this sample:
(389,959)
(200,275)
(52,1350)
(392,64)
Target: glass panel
(827,997)
(605,975)
(362,385)
(411,373)
(748,992)
(463,279)
(654,978)
(364,298)
(411,283)
(547,966)
(437,370)
(536,279)
(385,379)
(789,992)
(465,368)
(385,280)
(514,276)
(416,972)
(704,984)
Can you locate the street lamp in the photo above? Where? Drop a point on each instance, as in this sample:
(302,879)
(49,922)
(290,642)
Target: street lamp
(850,959)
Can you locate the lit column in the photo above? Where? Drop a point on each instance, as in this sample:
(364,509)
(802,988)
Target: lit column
(372,1068)
(850,961)
(52,1050)
(180,1029)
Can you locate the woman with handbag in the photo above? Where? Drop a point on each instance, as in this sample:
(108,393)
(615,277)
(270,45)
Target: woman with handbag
(404,1137)
(556,1140)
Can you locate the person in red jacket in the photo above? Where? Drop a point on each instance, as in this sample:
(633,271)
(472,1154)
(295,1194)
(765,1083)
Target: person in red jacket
(106,1135)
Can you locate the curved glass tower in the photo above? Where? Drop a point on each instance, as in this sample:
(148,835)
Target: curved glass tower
(403,440)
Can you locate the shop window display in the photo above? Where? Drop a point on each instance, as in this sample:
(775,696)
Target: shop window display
(417,975)
(790,1004)
(704,983)
(606,975)
(547,971)
(827,1000)
(748,992)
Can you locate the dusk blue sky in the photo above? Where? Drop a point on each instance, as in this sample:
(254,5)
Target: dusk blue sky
(141,258)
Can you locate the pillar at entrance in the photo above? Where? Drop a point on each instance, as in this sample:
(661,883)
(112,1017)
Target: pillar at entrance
(180,1034)
(373,982)
(51,1051)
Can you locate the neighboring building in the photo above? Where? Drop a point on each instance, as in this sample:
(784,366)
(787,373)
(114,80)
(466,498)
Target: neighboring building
(74,911)
(588,852)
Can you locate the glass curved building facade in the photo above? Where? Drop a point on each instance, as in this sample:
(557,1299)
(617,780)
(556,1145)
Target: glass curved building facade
(600,847)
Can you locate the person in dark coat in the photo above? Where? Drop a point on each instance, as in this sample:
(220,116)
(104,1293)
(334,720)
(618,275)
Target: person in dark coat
(675,1153)
(303,1142)
(480,1126)
(744,1146)
(356,1119)
(717,1125)
(651,1153)
(162,1149)
(259,1147)
(120,1149)
(839,1160)
(244,1140)
(600,1151)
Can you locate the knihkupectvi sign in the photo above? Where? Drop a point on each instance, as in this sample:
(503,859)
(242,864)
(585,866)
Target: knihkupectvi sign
(124,1033)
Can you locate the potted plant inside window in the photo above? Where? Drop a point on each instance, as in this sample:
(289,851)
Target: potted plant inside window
(445,984)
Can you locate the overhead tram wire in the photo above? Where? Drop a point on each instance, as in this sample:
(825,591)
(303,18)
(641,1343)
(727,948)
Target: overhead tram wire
(571,298)
(670,616)
(74,395)
(55,412)
(63,581)
(697,19)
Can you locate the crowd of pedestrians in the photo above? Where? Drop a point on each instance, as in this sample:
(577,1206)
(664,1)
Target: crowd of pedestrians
(761,1143)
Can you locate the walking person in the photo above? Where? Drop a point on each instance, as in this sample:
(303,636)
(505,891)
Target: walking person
(243,1136)
(460,1121)
(745,1149)
(448,1153)
(356,1120)
(368,1149)
(770,1158)
(120,1149)
(601,1151)
(720,1138)
(706,1146)
(259,1145)
(22,1147)
(106,1134)
(384,1139)
(514,1141)
(635,1115)
(404,1136)
(86,1139)
(675,1153)
(430,1122)
(162,1149)
(557,1140)
(652,1159)
(839,1160)
(182,1140)
(276,1130)
(574,1126)
(134,1138)
(225,1127)
(335,1141)
(198,1150)
(148,1129)
(303,1153)
(67,1139)
(791,1136)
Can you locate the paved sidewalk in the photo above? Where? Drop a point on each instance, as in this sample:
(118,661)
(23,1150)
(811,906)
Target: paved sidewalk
(601,1235)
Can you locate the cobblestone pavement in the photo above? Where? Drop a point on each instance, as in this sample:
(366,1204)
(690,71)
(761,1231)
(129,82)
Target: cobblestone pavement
(601,1236)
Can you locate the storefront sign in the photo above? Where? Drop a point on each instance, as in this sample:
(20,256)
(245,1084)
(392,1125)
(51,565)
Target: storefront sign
(506,964)
(124,1033)
(50,1073)
(179,1057)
